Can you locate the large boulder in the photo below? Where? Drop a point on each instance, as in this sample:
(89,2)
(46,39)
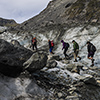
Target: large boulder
(15,59)
(12,58)
(36,62)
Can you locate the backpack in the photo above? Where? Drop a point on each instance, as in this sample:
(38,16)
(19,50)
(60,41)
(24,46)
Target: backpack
(93,48)
(33,40)
(67,45)
(52,43)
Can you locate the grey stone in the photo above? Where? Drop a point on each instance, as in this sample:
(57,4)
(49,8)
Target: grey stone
(70,67)
(51,64)
(36,62)
(12,58)
(60,94)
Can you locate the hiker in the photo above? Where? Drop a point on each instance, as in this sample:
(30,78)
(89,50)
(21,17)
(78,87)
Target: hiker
(34,43)
(51,46)
(76,50)
(91,51)
(65,47)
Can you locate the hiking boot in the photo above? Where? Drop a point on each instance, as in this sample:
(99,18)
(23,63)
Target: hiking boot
(79,58)
(75,60)
(51,52)
(92,65)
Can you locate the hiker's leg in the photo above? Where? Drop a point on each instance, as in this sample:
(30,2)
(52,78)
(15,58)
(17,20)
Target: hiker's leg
(89,55)
(77,52)
(65,50)
(75,56)
(50,50)
(92,54)
(33,46)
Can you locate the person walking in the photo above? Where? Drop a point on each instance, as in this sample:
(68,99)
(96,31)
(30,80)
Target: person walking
(76,50)
(34,43)
(65,47)
(51,46)
(91,51)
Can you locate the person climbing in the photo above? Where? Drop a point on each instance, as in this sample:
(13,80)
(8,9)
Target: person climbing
(91,51)
(76,50)
(34,43)
(51,46)
(65,47)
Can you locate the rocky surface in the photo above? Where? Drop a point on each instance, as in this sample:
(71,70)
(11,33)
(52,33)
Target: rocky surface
(59,78)
(63,13)
(8,23)
(15,58)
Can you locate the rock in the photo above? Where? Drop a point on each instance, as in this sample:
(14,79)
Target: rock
(12,58)
(36,62)
(15,43)
(90,80)
(60,94)
(56,57)
(66,61)
(70,67)
(76,69)
(71,98)
(51,64)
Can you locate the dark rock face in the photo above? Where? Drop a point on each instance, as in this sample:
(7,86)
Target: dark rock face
(6,22)
(63,13)
(12,58)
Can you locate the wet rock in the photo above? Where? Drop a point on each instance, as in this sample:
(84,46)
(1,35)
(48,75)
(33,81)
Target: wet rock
(15,43)
(70,67)
(77,69)
(12,58)
(90,80)
(72,98)
(65,61)
(36,62)
(51,64)
(56,57)
(60,94)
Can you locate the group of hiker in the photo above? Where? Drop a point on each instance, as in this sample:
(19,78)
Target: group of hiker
(90,48)
(75,49)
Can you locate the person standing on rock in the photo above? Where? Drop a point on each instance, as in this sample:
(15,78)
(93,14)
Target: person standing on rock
(76,50)
(65,47)
(91,51)
(34,43)
(51,46)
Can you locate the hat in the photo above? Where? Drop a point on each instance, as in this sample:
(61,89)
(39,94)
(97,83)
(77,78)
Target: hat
(88,42)
(62,41)
(73,41)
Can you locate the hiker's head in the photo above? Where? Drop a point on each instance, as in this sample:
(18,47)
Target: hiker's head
(34,38)
(88,42)
(73,41)
(62,41)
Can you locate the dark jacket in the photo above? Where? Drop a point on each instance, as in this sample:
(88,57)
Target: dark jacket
(90,47)
(64,45)
(34,41)
(49,44)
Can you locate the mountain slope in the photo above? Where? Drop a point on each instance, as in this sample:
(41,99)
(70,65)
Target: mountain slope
(6,22)
(63,13)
